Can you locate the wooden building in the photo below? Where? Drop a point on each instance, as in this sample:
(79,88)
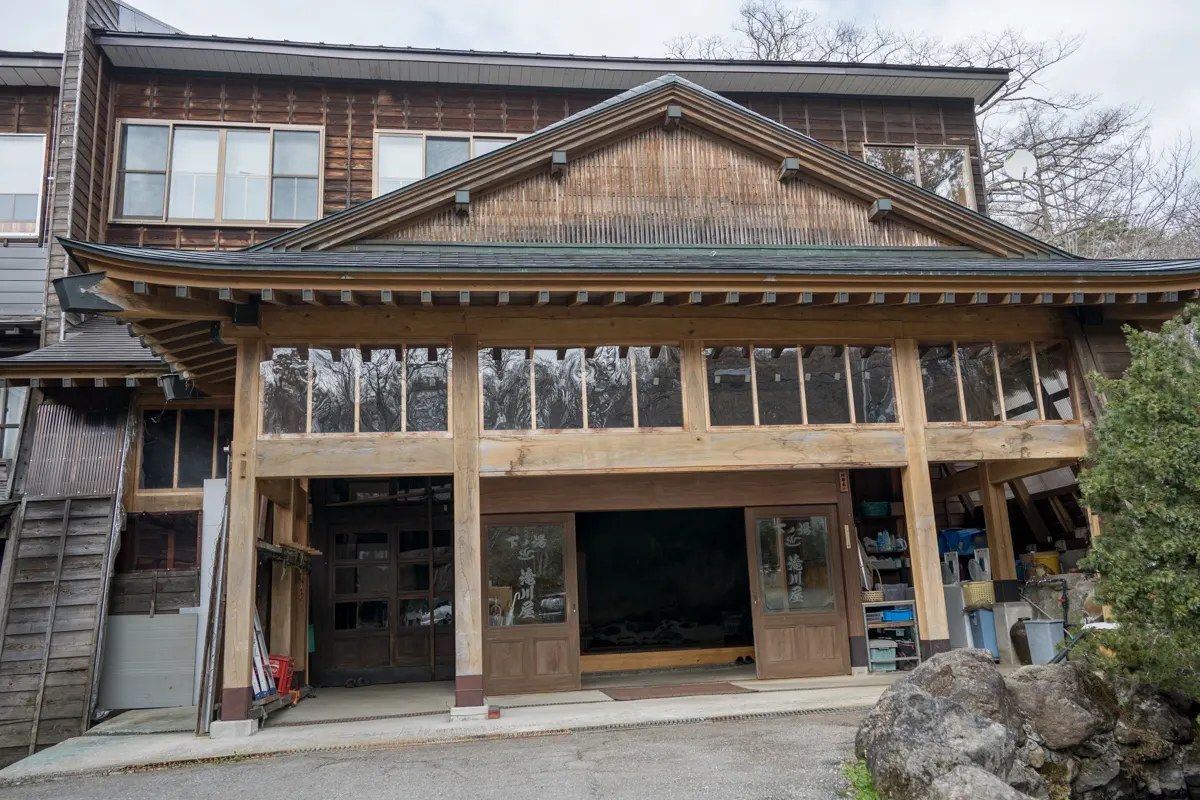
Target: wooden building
(478,334)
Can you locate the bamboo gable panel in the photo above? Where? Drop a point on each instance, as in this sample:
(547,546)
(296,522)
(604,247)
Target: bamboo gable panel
(666,188)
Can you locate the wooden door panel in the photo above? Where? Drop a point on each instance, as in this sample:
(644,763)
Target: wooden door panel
(551,657)
(506,660)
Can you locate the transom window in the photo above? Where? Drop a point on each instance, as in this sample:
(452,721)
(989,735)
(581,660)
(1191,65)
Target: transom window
(403,158)
(183,448)
(822,384)
(22,164)
(581,387)
(977,381)
(356,389)
(189,173)
(12,410)
(945,171)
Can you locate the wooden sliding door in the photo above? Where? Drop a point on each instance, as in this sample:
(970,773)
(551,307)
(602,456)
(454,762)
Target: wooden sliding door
(531,642)
(796,587)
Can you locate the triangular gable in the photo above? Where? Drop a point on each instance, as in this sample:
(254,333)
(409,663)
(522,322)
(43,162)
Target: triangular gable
(701,113)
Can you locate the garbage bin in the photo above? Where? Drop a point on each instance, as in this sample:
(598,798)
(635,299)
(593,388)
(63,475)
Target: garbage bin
(1044,637)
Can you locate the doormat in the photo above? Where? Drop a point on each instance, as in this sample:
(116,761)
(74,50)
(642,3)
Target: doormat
(678,690)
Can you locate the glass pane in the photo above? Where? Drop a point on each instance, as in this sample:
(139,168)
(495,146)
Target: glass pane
(943,172)
(526,574)
(899,161)
(485,146)
(142,194)
(413,544)
(145,147)
(609,389)
(365,615)
(443,611)
(224,440)
(978,368)
(1056,387)
(428,388)
(285,392)
(294,199)
(730,401)
(442,153)
(14,403)
(825,385)
(939,384)
(871,377)
(399,162)
(361,546)
(412,577)
(9,440)
(195,448)
(297,153)
(194,174)
(362,580)
(1016,379)
(777,372)
(559,389)
(247,171)
(25,207)
(794,565)
(505,383)
(22,159)
(158,450)
(333,375)
(659,387)
(413,612)
(380,392)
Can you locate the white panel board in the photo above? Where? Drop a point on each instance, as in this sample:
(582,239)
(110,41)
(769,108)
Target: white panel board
(149,662)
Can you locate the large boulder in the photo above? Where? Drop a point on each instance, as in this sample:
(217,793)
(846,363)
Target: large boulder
(1065,704)
(969,678)
(972,783)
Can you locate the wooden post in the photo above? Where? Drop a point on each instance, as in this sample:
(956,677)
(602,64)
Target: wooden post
(300,582)
(919,514)
(237,694)
(999,535)
(468,556)
(283,581)
(692,370)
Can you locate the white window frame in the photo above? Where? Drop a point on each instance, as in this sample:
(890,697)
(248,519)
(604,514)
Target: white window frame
(115,217)
(13,428)
(41,201)
(470,136)
(968,175)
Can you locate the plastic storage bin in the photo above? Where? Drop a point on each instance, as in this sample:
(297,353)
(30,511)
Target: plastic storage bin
(1044,637)
(897,614)
(983,630)
(882,653)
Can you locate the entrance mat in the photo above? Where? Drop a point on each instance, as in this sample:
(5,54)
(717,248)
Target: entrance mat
(678,690)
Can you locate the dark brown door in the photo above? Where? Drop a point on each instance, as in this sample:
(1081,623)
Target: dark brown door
(796,590)
(531,642)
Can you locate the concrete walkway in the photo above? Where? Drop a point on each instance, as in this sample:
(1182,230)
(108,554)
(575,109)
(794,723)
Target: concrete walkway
(119,750)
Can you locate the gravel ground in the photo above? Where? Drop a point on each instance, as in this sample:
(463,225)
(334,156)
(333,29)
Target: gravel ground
(790,758)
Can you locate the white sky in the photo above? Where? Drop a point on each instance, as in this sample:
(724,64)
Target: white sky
(1136,51)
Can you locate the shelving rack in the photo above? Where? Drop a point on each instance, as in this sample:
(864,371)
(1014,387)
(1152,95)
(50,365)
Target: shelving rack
(902,632)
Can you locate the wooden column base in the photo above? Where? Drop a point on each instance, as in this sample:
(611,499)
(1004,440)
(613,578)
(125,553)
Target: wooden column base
(468,691)
(931,647)
(235,703)
(858,651)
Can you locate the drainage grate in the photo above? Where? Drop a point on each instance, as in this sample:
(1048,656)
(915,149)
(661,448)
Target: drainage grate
(750,717)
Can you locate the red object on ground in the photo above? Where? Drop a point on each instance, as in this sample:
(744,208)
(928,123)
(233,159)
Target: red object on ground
(282,669)
(493,712)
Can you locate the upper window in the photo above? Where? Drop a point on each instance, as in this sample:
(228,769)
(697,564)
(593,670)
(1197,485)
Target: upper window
(184,173)
(996,381)
(12,409)
(945,171)
(22,164)
(402,158)
(183,448)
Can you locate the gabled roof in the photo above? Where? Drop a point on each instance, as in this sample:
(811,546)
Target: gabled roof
(217,54)
(642,107)
(100,341)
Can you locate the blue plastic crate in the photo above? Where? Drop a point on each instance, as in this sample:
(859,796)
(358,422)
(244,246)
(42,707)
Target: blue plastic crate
(959,540)
(897,614)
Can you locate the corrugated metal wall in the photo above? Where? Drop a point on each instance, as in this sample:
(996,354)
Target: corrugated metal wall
(74,451)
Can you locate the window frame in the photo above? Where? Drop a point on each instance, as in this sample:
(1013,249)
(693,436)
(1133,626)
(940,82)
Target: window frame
(968,173)
(439,343)
(17,426)
(799,347)
(39,220)
(424,134)
(115,217)
(1032,345)
(127,563)
(175,488)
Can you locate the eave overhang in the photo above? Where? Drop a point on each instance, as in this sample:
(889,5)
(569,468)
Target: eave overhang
(30,69)
(213,54)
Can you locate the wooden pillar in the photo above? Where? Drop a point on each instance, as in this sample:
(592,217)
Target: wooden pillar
(695,399)
(919,513)
(300,582)
(999,535)
(283,582)
(468,556)
(237,694)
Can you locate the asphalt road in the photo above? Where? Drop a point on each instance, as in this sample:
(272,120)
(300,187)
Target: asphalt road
(789,758)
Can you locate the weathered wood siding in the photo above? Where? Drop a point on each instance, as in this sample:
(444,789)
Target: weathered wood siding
(53,582)
(155,592)
(668,188)
(351,113)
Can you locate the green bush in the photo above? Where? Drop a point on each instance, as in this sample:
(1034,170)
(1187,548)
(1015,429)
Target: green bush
(1144,481)
(862,785)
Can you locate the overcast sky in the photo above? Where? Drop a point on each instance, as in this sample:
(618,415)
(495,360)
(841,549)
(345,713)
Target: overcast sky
(1135,51)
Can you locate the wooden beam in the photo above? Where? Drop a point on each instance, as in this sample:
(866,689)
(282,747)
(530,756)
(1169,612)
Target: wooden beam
(967,480)
(464,297)
(334,455)
(543,297)
(615,299)
(999,531)
(426,297)
(386,298)
(581,298)
(313,297)
(1033,517)
(789,169)
(920,517)
(272,297)
(558,162)
(349,298)
(468,543)
(1006,441)
(502,297)
(881,209)
(239,296)
(674,117)
(282,577)
(277,490)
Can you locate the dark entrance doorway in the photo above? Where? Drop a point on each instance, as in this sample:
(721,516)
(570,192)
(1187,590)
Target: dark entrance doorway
(383,587)
(663,580)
